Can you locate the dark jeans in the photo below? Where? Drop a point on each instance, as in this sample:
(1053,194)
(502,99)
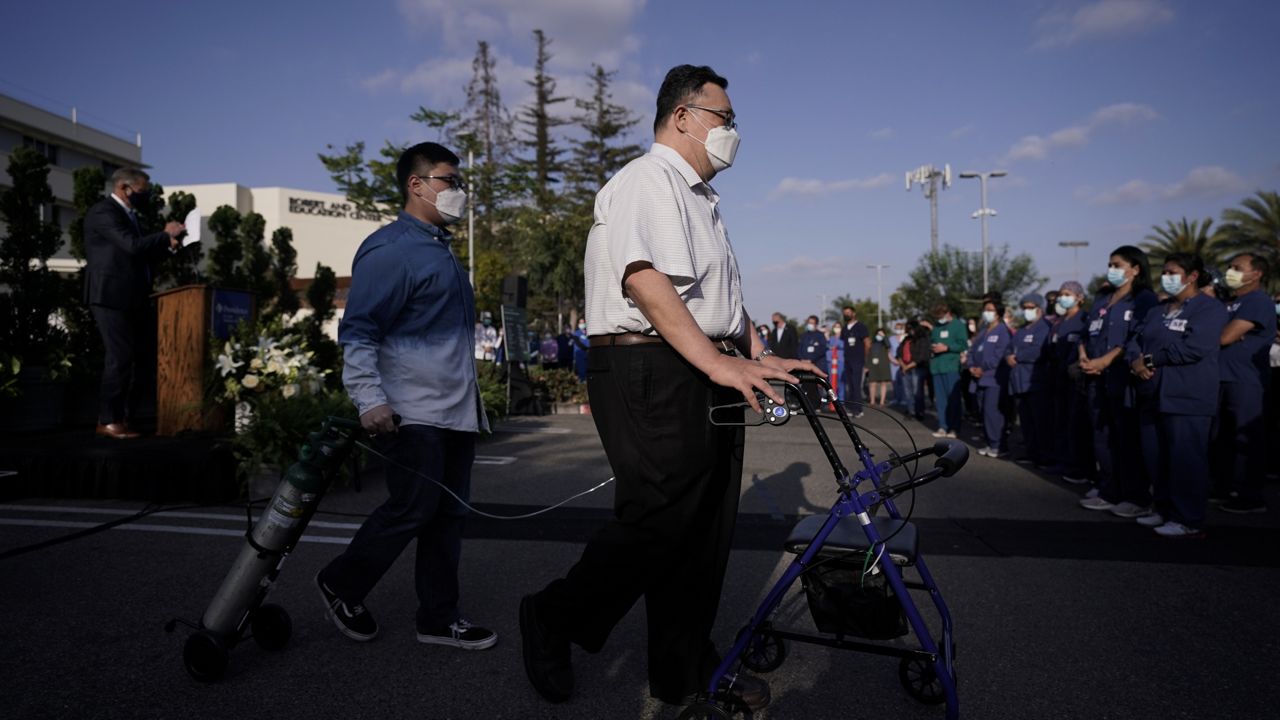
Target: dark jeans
(851,376)
(675,505)
(1240,442)
(1035,415)
(417,509)
(122,332)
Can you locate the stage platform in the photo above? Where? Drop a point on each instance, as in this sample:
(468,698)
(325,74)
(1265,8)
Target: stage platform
(76,463)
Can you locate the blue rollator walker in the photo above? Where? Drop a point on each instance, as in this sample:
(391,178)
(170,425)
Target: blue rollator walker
(837,557)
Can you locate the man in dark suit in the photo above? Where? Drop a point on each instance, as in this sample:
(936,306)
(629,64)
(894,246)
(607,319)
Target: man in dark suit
(783,339)
(117,286)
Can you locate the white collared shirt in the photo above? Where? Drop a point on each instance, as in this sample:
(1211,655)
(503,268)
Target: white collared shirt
(658,210)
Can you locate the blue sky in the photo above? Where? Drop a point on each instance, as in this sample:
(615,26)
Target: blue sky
(1110,116)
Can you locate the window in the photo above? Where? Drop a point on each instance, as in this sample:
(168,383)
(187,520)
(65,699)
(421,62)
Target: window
(47,149)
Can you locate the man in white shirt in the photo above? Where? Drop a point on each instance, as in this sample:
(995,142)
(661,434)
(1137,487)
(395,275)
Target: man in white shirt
(669,339)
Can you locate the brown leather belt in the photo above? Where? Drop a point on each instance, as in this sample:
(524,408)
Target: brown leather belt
(635,338)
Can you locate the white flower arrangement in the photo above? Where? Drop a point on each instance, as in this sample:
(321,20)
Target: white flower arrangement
(271,365)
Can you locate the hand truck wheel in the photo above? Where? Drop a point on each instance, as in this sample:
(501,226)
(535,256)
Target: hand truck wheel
(205,657)
(921,681)
(766,652)
(271,627)
(705,710)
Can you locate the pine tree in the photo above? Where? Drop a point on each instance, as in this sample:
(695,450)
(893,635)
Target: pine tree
(228,251)
(602,153)
(538,122)
(284,265)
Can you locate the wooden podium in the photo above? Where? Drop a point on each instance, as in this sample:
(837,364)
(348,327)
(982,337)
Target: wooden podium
(187,318)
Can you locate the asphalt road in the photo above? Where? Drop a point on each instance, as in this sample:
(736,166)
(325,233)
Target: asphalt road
(1060,612)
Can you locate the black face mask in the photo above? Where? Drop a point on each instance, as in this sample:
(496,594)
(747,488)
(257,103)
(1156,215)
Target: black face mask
(139,200)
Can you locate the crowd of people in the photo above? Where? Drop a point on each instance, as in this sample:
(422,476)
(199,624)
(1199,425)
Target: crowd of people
(1161,399)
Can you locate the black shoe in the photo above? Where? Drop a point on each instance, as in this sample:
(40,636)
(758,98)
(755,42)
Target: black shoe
(1243,507)
(747,690)
(353,620)
(546,656)
(461,634)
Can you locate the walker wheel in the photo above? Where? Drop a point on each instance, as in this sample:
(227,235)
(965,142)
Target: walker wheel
(271,627)
(766,652)
(205,657)
(921,681)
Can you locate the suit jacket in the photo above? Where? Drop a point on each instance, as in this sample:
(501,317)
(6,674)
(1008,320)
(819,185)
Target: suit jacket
(787,345)
(118,256)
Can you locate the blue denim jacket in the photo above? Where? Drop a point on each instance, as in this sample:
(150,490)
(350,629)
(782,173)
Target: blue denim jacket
(408,333)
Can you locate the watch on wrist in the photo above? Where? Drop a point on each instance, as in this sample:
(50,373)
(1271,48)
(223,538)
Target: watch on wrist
(763,354)
(1149,361)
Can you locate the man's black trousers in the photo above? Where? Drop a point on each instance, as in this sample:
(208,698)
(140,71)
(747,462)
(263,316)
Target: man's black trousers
(124,340)
(675,504)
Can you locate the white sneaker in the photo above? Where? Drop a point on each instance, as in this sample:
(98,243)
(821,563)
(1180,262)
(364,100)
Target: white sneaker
(1093,493)
(984,452)
(1075,480)
(939,433)
(1151,520)
(1095,503)
(1127,509)
(952,435)
(1175,529)
(995,453)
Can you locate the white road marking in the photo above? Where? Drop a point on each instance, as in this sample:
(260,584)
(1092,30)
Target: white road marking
(179,529)
(533,429)
(494,460)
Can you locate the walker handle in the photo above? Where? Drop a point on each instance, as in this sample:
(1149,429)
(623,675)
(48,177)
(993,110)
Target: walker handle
(952,455)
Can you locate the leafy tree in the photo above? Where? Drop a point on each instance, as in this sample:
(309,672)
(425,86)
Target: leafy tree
(34,293)
(601,153)
(228,250)
(1184,236)
(256,263)
(538,122)
(284,266)
(183,268)
(88,183)
(954,275)
(320,295)
(866,308)
(1255,226)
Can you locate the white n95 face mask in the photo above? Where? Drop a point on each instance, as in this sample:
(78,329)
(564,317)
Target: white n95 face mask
(451,204)
(721,145)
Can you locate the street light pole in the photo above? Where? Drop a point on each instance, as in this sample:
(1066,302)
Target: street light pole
(982,213)
(471,228)
(879,296)
(1075,246)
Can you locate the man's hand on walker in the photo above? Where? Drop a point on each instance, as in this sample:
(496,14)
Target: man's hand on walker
(749,376)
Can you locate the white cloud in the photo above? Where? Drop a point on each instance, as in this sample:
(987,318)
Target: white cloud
(1208,181)
(377,83)
(1103,19)
(882,134)
(807,267)
(961,131)
(581,31)
(805,187)
(1036,147)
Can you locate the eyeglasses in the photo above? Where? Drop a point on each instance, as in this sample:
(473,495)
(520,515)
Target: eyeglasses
(455,181)
(730,119)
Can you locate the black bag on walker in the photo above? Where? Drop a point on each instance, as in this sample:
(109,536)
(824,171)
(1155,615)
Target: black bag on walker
(843,602)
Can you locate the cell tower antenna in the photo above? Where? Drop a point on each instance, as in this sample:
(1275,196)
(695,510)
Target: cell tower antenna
(928,177)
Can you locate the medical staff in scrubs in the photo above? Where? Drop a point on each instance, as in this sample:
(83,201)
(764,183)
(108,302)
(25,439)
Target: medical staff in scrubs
(1174,357)
(1123,487)
(1028,361)
(1071,435)
(990,374)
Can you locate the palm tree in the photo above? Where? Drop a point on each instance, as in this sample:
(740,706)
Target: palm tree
(1185,236)
(1255,227)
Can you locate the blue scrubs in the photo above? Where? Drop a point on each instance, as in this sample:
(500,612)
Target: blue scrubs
(1177,410)
(813,347)
(1073,442)
(1028,384)
(988,352)
(1239,449)
(1121,472)
(854,336)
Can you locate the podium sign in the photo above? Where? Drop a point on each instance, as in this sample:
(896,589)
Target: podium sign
(230,308)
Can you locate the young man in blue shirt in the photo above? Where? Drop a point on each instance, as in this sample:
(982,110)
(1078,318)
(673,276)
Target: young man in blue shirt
(408,338)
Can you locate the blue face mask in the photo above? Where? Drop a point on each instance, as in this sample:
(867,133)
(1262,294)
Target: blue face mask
(810,327)
(1116,277)
(1172,284)
(1278,308)
(1066,302)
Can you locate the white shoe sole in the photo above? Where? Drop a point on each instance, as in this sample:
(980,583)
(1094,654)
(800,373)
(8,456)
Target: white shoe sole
(460,644)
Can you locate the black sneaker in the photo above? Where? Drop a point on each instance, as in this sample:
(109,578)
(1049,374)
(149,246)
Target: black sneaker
(353,620)
(547,661)
(461,634)
(1240,506)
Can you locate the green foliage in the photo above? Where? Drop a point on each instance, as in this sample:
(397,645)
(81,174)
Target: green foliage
(284,266)
(320,295)
(88,185)
(1255,227)
(866,309)
(1184,236)
(599,155)
(492,380)
(560,384)
(228,250)
(183,268)
(280,426)
(954,276)
(10,366)
(33,294)
(256,264)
